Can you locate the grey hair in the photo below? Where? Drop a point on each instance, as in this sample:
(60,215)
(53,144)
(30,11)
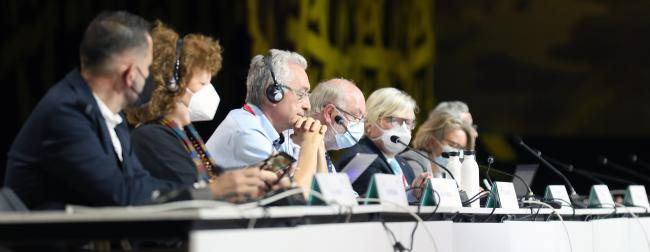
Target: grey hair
(259,76)
(451,107)
(325,93)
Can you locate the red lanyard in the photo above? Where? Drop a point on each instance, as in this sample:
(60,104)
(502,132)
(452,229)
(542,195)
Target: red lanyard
(248,109)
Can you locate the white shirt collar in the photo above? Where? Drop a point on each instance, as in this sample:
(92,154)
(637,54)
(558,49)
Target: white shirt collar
(112,119)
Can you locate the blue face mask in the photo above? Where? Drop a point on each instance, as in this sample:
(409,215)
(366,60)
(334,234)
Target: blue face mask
(345,140)
(442,160)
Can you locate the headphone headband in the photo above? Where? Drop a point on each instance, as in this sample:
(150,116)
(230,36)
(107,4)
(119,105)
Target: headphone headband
(176,75)
(274,92)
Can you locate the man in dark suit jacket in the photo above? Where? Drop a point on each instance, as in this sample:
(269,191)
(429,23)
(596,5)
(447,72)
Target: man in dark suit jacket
(380,165)
(75,147)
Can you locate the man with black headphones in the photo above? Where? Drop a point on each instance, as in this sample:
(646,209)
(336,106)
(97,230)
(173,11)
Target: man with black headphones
(277,99)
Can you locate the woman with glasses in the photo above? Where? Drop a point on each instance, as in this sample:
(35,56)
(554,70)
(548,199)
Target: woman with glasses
(443,132)
(389,112)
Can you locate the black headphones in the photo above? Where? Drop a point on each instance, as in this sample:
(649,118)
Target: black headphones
(176,75)
(274,92)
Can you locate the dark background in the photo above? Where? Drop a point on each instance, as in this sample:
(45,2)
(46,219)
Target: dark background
(569,76)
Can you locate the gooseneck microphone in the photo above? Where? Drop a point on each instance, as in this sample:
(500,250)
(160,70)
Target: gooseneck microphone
(395,139)
(339,120)
(490,161)
(573,195)
(606,162)
(462,193)
(593,176)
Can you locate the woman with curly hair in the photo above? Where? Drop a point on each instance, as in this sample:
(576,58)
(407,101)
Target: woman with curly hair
(165,140)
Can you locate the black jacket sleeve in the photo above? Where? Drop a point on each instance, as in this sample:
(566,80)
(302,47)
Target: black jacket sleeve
(163,154)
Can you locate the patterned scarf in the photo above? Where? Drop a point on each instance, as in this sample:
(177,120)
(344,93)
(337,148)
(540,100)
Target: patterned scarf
(195,147)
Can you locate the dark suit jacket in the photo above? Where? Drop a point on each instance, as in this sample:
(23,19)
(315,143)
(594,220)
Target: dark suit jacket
(163,154)
(380,165)
(64,155)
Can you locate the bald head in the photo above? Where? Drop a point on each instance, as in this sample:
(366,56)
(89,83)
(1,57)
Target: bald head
(336,97)
(339,92)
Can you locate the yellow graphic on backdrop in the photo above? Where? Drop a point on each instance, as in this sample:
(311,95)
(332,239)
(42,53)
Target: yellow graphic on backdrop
(375,43)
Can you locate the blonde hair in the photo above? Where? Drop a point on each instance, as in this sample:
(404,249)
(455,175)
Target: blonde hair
(388,102)
(434,129)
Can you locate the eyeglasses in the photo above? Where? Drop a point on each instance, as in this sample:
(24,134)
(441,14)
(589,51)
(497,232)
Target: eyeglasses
(355,119)
(301,93)
(398,121)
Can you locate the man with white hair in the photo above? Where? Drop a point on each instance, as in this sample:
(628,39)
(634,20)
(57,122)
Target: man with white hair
(339,104)
(277,99)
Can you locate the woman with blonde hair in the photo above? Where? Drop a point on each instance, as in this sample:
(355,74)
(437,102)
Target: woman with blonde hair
(441,133)
(390,112)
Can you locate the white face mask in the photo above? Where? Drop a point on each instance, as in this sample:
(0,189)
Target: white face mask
(203,104)
(404,134)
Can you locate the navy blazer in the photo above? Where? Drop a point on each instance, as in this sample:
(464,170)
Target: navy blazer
(64,155)
(380,165)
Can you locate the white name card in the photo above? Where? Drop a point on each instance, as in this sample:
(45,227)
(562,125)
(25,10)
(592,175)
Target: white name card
(334,187)
(447,193)
(599,196)
(636,195)
(558,193)
(507,196)
(387,187)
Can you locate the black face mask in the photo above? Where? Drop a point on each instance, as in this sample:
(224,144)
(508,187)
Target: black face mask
(145,96)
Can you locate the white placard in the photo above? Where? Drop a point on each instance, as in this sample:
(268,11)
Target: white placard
(638,196)
(447,190)
(507,195)
(390,188)
(336,187)
(558,192)
(603,195)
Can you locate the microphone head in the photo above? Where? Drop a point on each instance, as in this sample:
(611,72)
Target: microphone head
(602,160)
(570,167)
(490,160)
(394,139)
(634,158)
(518,140)
(338,119)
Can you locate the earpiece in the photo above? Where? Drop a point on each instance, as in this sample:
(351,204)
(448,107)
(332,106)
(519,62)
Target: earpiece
(274,92)
(176,75)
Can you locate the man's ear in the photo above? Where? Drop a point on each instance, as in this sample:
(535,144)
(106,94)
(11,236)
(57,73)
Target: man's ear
(328,111)
(128,76)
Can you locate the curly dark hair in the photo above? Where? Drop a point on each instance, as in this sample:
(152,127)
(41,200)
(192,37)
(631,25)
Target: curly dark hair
(199,53)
